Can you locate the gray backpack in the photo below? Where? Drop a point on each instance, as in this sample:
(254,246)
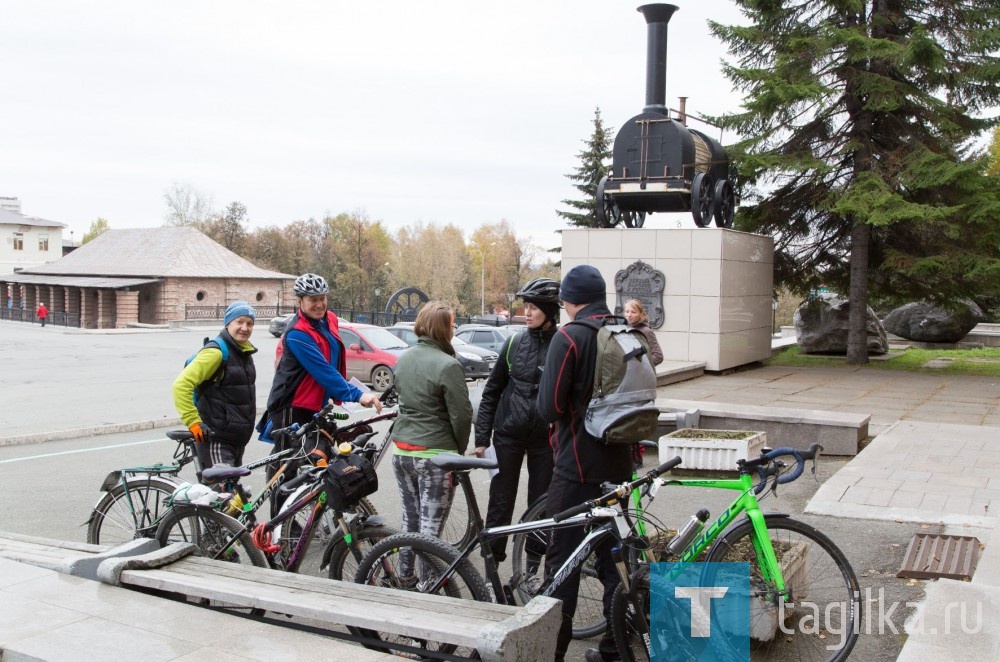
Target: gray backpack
(622,408)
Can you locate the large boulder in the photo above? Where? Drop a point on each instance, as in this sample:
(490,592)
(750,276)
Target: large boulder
(821,326)
(926,322)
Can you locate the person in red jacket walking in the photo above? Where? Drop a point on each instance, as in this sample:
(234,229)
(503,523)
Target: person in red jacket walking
(42,312)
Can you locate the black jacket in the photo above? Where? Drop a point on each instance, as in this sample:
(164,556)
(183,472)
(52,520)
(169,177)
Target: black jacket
(507,408)
(229,406)
(563,395)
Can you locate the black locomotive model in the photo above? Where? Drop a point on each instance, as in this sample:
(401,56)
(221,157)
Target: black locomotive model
(660,164)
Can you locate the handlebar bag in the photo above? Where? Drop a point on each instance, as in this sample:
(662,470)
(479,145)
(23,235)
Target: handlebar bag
(348,479)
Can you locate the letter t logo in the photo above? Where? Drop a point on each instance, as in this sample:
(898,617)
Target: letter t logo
(701,606)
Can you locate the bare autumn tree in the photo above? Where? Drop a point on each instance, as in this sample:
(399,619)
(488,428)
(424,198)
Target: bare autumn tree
(186,205)
(434,259)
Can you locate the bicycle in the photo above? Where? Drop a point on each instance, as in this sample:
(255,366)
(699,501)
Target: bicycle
(419,562)
(528,555)
(791,563)
(134,498)
(240,539)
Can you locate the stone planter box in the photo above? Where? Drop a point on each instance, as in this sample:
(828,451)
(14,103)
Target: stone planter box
(711,450)
(763,613)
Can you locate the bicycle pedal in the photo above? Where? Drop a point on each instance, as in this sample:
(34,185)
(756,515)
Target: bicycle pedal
(509,594)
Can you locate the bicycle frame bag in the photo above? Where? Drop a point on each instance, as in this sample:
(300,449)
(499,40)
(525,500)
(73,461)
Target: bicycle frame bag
(622,408)
(348,479)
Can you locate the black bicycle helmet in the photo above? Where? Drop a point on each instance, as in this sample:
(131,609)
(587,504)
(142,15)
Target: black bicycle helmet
(540,290)
(310,284)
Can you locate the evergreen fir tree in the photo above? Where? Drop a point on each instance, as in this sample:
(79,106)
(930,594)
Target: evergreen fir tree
(594,164)
(857,125)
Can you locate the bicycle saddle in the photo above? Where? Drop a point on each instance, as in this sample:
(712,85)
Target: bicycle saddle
(456,462)
(180,435)
(221,472)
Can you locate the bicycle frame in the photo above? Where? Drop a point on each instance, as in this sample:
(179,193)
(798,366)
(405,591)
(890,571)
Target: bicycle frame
(745,503)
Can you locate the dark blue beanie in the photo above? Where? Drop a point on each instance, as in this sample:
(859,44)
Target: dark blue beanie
(583,284)
(239,309)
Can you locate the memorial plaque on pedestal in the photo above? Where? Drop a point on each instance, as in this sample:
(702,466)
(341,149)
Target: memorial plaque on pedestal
(641,281)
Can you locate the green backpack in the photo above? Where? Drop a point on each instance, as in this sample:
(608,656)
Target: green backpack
(622,408)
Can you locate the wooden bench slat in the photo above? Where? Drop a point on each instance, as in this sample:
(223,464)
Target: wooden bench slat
(460,627)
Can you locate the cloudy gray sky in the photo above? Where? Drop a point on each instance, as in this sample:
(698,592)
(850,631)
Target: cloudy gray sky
(445,111)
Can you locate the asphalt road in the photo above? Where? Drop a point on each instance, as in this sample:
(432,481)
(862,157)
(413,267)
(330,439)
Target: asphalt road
(57,380)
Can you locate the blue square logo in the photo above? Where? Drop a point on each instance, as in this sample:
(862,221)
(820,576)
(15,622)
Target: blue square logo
(699,611)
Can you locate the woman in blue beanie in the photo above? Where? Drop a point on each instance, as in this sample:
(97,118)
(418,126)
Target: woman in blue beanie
(222,414)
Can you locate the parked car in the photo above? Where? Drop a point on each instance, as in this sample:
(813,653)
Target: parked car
(476,361)
(490,319)
(277,325)
(481,335)
(372,353)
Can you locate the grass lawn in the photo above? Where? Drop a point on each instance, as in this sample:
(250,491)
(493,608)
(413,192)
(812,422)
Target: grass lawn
(952,361)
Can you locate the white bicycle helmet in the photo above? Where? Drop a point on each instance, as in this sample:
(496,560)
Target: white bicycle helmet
(310,284)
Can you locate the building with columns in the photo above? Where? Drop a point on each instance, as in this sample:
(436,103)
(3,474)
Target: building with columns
(142,276)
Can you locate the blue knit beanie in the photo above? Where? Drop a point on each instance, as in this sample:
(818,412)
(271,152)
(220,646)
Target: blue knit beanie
(583,284)
(239,309)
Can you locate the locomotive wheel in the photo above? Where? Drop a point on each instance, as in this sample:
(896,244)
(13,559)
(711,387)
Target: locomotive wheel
(702,201)
(724,201)
(608,214)
(633,219)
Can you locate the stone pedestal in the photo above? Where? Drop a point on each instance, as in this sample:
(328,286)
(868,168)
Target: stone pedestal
(718,290)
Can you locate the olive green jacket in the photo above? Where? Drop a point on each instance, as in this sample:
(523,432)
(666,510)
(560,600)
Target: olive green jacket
(434,407)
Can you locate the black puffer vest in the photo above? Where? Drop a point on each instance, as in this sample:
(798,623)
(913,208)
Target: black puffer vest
(229,406)
(517,417)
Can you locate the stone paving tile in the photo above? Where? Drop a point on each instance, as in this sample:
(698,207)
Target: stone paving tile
(879,497)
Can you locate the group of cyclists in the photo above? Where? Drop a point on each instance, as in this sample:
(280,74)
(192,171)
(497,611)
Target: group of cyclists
(532,406)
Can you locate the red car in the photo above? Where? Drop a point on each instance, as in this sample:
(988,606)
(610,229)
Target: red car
(372,353)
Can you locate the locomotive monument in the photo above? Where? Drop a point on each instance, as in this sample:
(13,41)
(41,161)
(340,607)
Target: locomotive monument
(660,164)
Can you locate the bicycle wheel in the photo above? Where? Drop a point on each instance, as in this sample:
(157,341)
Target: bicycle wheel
(211,531)
(287,535)
(124,514)
(457,530)
(345,558)
(412,562)
(624,617)
(821,616)
(528,566)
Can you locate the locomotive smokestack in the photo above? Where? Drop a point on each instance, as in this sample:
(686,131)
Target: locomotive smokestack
(657,16)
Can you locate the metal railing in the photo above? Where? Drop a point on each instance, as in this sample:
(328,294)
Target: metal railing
(56,318)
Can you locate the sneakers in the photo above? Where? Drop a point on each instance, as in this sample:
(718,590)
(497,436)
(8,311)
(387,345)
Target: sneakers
(407,583)
(595,655)
(532,584)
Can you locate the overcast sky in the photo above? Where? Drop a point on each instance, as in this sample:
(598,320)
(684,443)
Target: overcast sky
(449,112)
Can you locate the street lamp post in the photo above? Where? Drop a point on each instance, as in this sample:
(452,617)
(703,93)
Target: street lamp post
(482,279)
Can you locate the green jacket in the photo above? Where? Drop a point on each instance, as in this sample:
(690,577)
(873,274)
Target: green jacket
(434,407)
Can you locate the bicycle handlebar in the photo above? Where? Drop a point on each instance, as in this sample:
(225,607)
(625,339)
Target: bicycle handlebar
(765,468)
(619,492)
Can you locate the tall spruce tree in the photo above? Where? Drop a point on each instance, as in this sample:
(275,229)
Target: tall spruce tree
(594,164)
(857,124)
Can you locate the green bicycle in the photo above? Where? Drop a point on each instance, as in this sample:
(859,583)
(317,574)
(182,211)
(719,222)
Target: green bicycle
(804,596)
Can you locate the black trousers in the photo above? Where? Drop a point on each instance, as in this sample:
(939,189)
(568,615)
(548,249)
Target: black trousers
(503,487)
(564,494)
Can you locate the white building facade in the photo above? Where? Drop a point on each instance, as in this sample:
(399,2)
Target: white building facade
(26,241)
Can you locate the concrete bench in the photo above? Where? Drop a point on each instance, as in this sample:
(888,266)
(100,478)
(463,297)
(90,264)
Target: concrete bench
(840,433)
(71,558)
(497,632)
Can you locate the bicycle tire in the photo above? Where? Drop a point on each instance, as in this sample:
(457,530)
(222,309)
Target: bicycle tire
(209,530)
(824,581)
(287,535)
(631,646)
(431,557)
(458,530)
(346,558)
(589,619)
(114,521)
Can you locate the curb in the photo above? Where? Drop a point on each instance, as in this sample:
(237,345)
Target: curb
(92,431)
